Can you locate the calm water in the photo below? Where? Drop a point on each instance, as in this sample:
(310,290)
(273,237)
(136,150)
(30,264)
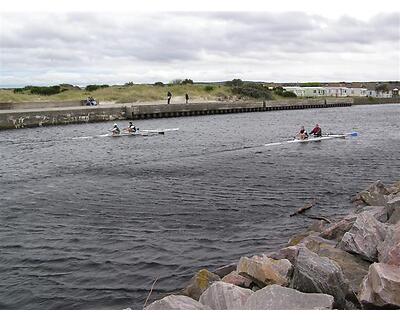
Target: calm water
(91,223)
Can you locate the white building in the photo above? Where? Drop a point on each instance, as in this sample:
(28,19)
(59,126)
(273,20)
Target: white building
(337,92)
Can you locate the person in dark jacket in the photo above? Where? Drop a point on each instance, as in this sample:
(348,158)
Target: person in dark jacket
(317,131)
(169,96)
(302,134)
(187,98)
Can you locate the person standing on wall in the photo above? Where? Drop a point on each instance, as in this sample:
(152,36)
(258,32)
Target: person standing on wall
(169,96)
(187,98)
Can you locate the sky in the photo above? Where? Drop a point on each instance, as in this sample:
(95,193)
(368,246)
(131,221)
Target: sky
(291,41)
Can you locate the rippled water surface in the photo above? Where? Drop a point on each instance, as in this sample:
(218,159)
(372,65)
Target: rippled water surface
(90,223)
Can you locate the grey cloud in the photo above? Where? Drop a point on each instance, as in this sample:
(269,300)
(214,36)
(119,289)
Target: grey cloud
(90,41)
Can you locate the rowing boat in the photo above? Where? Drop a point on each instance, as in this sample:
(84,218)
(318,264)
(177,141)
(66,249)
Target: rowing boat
(144,132)
(316,139)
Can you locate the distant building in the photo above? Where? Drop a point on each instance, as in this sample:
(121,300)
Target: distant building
(341,90)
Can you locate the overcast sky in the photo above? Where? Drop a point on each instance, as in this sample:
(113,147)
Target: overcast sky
(82,48)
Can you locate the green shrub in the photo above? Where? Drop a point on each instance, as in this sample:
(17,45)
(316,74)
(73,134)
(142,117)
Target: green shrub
(208,88)
(281,92)
(45,91)
(187,81)
(93,87)
(159,83)
(235,83)
(18,90)
(253,90)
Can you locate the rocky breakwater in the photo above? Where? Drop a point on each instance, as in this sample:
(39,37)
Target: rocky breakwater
(350,263)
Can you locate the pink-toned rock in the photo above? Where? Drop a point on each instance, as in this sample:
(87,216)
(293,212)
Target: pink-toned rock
(225,296)
(381,287)
(176,302)
(288,253)
(236,279)
(389,249)
(379,212)
(375,194)
(264,270)
(364,237)
(225,270)
(337,230)
(393,208)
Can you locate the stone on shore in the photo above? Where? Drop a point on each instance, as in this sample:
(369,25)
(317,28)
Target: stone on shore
(364,237)
(225,296)
(176,302)
(353,267)
(235,278)
(337,230)
(225,270)
(297,238)
(375,194)
(389,249)
(315,274)
(381,287)
(393,209)
(379,212)
(199,283)
(275,297)
(289,253)
(264,270)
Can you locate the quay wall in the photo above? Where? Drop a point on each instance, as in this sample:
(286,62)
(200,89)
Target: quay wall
(39,105)
(37,118)
(196,109)
(14,119)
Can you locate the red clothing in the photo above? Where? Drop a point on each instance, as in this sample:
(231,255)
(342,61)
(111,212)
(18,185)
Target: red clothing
(316,131)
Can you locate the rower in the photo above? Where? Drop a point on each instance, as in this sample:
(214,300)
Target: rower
(115,129)
(302,135)
(131,127)
(317,131)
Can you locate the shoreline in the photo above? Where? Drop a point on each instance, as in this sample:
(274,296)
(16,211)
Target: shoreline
(351,263)
(38,117)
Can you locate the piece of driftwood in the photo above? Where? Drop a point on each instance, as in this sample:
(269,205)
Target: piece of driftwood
(304,208)
(320,218)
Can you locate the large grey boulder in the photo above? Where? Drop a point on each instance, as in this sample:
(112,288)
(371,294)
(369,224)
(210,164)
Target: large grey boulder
(375,194)
(176,302)
(393,208)
(275,297)
(264,270)
(389,249)
(379,212)
(364,237)
(224,296)
(315,274)
(199,283)
(353,267)
(381,287)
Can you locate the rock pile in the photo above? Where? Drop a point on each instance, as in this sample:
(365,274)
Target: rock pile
(352,263)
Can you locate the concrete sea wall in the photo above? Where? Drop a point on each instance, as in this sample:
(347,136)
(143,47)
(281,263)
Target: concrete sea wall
(25,118)
(37,118)
(196,109)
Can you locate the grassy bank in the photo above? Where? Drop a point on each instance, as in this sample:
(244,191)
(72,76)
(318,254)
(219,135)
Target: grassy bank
(125,94)
(370,100)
